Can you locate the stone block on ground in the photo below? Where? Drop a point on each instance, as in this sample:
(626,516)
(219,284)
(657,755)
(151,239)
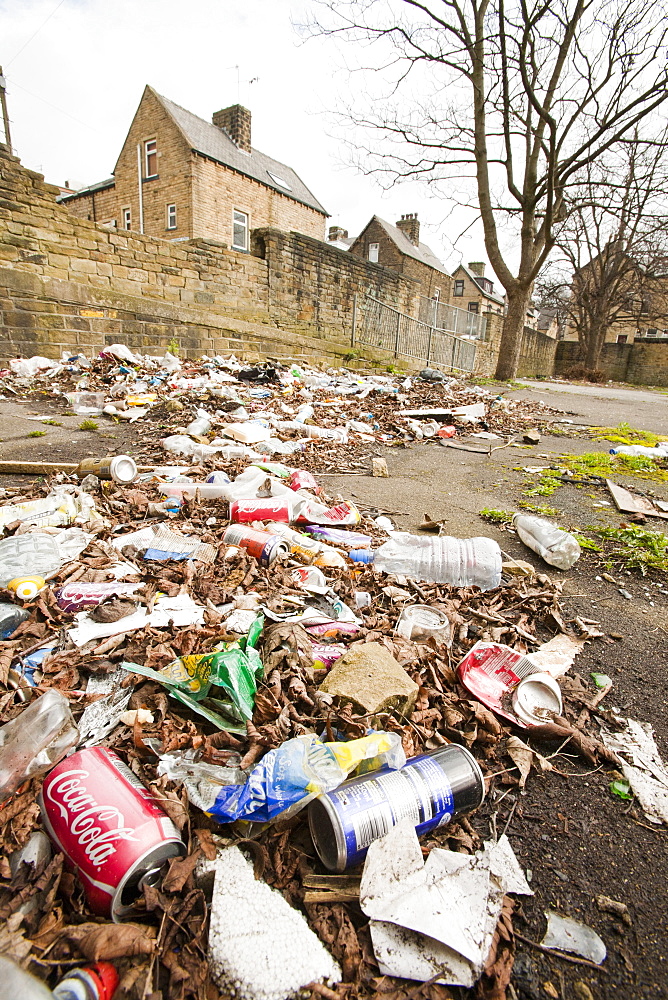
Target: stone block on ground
(371,680)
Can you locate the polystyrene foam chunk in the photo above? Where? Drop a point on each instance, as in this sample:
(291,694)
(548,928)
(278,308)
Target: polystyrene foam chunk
(260,948)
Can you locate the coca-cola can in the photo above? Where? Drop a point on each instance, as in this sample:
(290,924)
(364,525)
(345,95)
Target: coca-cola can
(261,544)
(262,509)
(109,826)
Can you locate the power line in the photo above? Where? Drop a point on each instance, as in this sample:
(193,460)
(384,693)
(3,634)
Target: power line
(55,107)
(57,7)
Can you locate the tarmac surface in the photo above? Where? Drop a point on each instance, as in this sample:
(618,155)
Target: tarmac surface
(602,405)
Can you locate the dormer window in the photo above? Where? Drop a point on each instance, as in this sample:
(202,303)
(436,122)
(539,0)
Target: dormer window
(151,158)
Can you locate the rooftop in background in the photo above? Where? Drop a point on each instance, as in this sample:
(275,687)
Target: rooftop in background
(214,142)
(419,251)
(485,285)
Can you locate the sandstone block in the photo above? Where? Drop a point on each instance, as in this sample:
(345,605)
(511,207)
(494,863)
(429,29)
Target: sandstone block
(371,679)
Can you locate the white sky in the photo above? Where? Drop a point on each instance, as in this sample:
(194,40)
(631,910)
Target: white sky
(74,87)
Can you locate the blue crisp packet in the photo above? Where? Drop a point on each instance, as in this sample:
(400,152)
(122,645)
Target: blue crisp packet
(288,777)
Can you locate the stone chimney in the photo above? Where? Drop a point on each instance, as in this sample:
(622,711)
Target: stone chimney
(337,233)
(236,121)
(410,227)
(478,268)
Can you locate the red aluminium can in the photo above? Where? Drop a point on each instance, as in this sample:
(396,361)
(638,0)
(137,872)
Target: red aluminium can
(262,509)
(109,826)
(261,544)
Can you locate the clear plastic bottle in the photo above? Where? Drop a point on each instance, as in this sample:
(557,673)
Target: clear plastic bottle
(35,740)
(11,617)
(32,554)
(461,562)
(659,451)
(200,425)
(555,546)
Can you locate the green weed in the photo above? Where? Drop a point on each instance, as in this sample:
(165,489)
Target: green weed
(623,433)
(543,510)
(545,487)
(173,347)
(36,434)
(496,516)
(636,548)
(586,543)
(54,423)
(88,425)
(600,463)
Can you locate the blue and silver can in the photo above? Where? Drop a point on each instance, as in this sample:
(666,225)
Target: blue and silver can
(430,790)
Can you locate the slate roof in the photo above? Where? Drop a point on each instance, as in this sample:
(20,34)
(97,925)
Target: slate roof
(420,252)
(99,186)
(474,277)
(209,140)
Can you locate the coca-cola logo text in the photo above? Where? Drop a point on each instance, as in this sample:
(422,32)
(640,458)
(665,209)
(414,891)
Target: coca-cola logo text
(95,827)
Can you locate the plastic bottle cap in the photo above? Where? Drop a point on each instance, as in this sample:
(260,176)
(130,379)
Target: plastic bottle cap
(26,587)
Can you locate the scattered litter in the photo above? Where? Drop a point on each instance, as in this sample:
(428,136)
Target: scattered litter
(642,767)
(511,684)
(260,947)
(556,547)
(435,920)
(630,503)
(566,934)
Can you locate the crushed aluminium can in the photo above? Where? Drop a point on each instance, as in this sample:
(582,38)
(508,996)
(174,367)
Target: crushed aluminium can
(109,826)
(262,509)
(430,790)
(261,544)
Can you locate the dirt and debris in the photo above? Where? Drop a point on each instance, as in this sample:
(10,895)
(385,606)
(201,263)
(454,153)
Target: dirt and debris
(164,951)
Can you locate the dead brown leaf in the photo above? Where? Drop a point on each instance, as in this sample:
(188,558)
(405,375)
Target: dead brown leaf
(105,942)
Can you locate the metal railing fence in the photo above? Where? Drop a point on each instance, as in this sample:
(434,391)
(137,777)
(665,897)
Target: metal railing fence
(452,319)
(381,326)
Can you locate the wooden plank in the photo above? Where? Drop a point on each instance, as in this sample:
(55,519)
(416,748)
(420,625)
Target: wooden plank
(628,503)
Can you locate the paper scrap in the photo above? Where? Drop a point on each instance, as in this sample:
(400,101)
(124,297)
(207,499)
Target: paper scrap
(642,767)
(437,916)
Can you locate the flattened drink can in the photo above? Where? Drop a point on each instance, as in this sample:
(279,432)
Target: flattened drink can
(262,509)
(261,544)
(109,826)
(429,790)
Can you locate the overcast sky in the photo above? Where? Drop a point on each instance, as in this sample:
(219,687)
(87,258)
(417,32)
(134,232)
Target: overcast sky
(76,70)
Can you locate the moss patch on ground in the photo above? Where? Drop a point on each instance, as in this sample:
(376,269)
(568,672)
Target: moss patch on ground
(600,463)
(625,434)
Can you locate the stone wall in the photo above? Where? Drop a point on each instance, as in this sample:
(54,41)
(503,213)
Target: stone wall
(644,362)
(68,283)
(536,357)
(312,284)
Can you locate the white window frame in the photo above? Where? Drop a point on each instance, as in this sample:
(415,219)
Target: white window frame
(246,224)
(372,253)
(458,288)
(127,217)
(148,153)
(171,216)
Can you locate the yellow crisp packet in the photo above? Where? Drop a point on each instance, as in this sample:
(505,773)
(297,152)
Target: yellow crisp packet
(141,399)
(193,671)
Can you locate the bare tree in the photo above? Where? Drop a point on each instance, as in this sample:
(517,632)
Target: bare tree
(610,265)
(510,100)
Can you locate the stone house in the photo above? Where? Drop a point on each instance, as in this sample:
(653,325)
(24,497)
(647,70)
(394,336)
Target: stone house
(399,248)
(473,291)
(179,177)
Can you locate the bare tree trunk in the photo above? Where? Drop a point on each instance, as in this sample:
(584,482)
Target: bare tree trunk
(594,346)
(512,334)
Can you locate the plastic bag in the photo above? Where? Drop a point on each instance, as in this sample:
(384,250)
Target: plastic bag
(287,778)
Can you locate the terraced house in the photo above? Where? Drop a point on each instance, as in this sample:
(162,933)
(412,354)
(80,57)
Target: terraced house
(180,177)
